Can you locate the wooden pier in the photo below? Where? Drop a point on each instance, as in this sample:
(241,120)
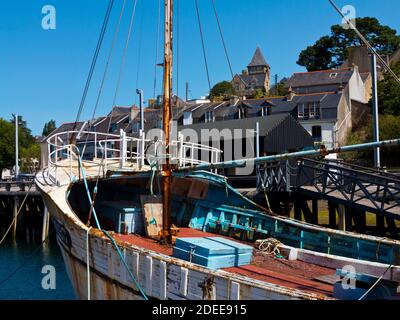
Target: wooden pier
(22,206)
(349,192)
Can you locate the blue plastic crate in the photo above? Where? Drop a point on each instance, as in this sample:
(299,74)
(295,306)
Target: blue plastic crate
(213,252)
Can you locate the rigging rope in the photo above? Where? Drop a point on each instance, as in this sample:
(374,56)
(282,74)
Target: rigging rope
(124,56)
(202,44)
(157,49)
(107,67)
(363,39)
(94,62)
(222,38)
(139,53)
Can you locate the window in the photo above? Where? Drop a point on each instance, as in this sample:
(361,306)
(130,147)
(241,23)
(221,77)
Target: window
(317,133)
(209,117)
(300,110)
(314,110)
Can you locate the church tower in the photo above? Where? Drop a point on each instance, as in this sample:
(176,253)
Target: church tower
(256,77)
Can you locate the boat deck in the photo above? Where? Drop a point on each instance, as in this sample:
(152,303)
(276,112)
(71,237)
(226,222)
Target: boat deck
(290,274)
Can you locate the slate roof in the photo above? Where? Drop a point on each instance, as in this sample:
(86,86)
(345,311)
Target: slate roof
(281,132)
(258,59)
(318,78)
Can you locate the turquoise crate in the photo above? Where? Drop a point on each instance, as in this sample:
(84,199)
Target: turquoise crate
(213,252)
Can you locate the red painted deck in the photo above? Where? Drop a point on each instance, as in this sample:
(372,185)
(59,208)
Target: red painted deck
(291,274)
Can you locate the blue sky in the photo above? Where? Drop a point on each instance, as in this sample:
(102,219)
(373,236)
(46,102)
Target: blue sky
(42,73)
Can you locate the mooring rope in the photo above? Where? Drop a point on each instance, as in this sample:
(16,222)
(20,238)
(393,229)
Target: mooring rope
(18,212)
(87,262)
(106,233)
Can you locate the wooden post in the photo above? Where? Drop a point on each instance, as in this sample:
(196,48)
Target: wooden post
(308,215)
(380,224)
(297,210)
(315,211)
(46,221)
(392,228)
(341,220)
(348,219)
(332,215)
(15,218)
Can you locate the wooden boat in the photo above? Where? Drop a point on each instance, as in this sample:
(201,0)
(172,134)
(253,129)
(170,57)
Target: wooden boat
(203,203)
(108,259)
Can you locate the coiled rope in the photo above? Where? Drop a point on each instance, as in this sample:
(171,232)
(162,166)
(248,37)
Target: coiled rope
(269,247)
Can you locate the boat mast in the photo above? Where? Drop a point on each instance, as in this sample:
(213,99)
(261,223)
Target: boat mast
(167,94)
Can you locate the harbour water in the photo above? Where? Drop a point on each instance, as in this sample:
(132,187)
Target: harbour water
(30,260)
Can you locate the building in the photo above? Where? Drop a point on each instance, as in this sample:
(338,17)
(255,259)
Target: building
(255,78)
(236,137)
(329,103)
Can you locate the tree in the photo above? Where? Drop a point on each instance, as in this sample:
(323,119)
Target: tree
(25,138)
(222,90)
(259,94)
(29,149)
(331,51)
(48,128)
(7,145)
(278,91)
(389,128)
(389,93)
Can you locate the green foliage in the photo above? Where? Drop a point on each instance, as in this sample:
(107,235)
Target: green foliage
(48,128)
(25,138)
(389,93)
(7,145)
(389,128)
(259,94)
(331,51)
(30,156)
(319,56)
(278,91)
(222,90)
(29,149)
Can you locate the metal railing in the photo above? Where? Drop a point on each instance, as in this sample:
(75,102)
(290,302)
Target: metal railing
(105,150)
(380,193)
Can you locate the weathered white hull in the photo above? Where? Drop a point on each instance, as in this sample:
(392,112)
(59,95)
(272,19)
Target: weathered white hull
(160,276)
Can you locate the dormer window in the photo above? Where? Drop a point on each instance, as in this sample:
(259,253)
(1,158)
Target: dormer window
(209,117)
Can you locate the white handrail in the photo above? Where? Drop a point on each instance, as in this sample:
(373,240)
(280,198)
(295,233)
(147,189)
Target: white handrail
(117,149)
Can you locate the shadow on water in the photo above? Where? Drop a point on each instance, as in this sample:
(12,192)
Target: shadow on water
(26,284)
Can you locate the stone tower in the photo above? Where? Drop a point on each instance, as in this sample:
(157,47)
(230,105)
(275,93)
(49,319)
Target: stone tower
(255,77)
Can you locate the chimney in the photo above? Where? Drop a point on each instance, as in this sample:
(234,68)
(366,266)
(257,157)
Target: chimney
(290,95)
(245,72)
